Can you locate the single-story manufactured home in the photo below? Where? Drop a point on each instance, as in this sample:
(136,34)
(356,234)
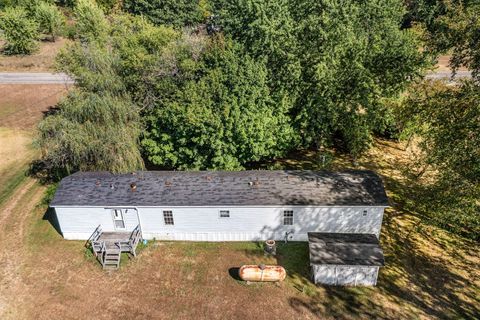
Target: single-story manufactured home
(221,205)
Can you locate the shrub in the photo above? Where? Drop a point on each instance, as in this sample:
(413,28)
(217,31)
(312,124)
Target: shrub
(91,24)
(19,31)
(50,18)
(49,193)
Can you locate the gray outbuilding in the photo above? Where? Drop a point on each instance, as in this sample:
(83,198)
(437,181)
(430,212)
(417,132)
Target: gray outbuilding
(345,259)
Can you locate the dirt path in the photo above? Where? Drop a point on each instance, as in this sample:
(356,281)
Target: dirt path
(14,221)
(6,211)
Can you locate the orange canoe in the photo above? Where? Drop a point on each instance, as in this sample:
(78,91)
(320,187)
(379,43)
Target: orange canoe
(262,273)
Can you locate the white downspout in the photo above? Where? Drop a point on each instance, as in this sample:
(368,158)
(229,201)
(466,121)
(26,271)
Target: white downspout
(139,221)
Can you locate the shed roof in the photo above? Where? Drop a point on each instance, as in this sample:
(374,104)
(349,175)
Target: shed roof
(222,188)
(345,249)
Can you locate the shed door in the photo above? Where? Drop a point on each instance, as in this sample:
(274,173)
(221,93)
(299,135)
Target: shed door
(118,220)
(346,275)
(367,276)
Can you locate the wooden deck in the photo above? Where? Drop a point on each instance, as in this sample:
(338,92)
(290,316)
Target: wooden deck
(111,238)
(108,246)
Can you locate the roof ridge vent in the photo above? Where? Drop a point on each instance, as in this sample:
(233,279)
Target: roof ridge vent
(252,183)
(133,186)
(168,183)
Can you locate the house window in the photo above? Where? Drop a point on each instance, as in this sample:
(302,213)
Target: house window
(224,214)
(168,217)
(288,217)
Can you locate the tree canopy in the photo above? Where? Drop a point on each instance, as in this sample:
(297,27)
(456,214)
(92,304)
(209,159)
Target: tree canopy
(50,19)
(448,122)
(91,131)
(219,115)
(204,102)
(266,76)
(178,13)
(90,22)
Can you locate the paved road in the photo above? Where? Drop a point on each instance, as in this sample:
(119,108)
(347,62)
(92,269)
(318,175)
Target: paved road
(34,78)
(447,75)
(61,78)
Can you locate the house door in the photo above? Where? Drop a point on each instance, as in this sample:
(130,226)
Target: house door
(118,219)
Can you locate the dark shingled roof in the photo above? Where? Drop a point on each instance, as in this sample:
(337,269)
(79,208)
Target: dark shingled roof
(222,188)
(345,249)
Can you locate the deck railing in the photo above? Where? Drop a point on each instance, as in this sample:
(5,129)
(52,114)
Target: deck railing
(95,235)
(135,238)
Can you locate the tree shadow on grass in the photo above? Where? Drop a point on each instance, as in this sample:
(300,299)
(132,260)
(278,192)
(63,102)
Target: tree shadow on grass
(411,279)
(431,285)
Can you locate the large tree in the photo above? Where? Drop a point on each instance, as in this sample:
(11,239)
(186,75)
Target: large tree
(90,22)
(19,31)
(50,19)
(330,63)
(91,131)
(447,121)
(218,115)
(353,54)
(205,102)
(268,31)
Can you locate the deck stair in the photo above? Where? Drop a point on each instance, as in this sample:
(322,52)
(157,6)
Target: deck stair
(108,246)
(111,259)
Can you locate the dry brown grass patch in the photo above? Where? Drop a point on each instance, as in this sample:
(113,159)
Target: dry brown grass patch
(22,106)
(41,61)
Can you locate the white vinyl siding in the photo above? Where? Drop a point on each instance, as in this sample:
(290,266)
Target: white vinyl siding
(79,223)
(253,224)
(131,219)
(204,224)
